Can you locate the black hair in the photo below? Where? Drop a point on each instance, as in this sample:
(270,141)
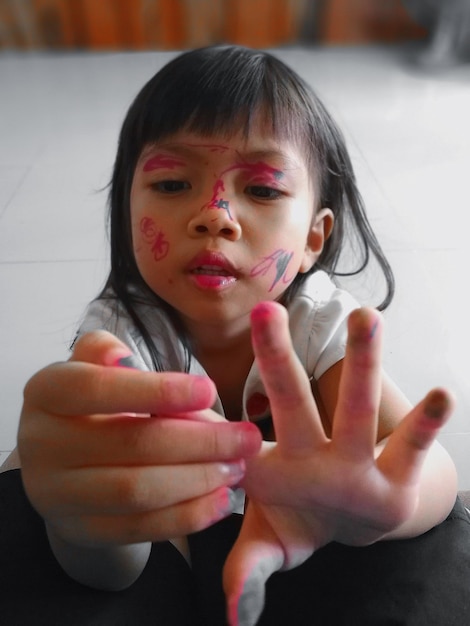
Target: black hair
(219,90)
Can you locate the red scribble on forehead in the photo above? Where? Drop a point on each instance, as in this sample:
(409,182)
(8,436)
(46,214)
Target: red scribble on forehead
(212,147)
(155,238)
(162,161)
(261,172)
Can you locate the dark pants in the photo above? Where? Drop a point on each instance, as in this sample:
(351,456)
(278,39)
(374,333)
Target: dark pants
(419,582)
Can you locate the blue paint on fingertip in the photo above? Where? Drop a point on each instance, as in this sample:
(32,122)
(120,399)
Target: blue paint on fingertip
(128,361)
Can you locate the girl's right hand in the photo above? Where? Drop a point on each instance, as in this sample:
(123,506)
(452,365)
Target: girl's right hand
(100,475)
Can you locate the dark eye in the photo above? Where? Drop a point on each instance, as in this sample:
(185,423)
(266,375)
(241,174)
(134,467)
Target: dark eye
(264,193)
(171,186)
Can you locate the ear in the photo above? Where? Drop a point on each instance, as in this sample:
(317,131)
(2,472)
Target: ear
(320,230)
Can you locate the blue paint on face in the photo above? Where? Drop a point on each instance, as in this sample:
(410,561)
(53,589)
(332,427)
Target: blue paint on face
(224,204)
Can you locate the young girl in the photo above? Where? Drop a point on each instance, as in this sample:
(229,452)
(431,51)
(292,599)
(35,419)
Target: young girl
(231,202)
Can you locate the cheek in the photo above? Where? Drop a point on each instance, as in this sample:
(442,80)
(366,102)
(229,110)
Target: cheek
(150,240)
(278,269)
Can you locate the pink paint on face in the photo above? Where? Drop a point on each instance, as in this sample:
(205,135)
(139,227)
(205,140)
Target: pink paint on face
(162,161)
(261,173)
(212,147)
(216,202)
(155,238)
(280,259)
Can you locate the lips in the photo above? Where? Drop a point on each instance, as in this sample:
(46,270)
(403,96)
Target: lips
(212,270)
(213,263)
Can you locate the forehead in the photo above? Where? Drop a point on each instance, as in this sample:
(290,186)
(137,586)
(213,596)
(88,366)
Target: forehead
(257,146)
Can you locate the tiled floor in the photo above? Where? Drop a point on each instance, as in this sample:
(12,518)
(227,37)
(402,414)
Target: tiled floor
(409,135)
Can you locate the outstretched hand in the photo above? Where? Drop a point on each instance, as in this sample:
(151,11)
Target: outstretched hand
(306,489)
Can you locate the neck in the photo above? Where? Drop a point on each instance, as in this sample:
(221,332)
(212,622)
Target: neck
(218,338)
(227,357)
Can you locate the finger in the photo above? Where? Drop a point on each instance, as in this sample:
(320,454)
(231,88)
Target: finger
(254,557)
(403,456)
(126,491)
(103,348)
(356,416)
(100,347)
(127,441)
(174,521)
(295,416)
(77,388)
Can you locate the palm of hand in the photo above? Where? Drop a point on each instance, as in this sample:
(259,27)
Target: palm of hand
(306,490)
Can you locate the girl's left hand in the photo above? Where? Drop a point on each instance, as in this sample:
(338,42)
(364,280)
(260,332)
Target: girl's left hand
(306,489)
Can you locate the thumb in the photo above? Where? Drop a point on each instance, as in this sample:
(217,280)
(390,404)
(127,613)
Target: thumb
(255,555)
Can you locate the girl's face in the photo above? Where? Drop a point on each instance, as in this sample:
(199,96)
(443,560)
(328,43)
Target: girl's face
(220,224)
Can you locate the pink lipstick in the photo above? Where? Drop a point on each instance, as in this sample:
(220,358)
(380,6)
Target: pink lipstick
(212,270)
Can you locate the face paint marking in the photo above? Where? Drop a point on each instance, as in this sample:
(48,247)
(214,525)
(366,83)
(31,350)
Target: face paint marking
(281,259)
(162,161)
(224,204)
(155,238)
(218,203)
(262,173)
(212,147)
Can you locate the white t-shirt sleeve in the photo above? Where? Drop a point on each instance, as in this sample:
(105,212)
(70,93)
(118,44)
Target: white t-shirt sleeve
(318,323)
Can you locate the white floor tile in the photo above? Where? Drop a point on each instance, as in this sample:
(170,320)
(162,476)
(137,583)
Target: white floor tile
(42,307)
(4,454)
(58,213)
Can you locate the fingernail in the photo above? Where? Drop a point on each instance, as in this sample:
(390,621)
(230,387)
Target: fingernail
(227,502)
(250,438)
(373,330)
(128,361)
(233,471)
(202,389)
(365,326)
(437,404)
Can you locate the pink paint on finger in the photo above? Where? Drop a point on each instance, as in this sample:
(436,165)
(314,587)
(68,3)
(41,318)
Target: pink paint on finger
(262,311)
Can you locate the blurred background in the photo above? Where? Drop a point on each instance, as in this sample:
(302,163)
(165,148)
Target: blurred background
(394,74)
(177,24)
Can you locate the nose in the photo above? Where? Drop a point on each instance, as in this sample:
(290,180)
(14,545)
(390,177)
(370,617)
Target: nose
(215,220)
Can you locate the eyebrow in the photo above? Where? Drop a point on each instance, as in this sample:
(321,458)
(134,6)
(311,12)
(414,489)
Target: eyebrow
(160,161)
(281,160)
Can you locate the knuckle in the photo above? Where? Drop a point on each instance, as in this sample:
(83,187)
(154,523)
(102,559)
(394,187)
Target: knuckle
(128,490)
(214,440)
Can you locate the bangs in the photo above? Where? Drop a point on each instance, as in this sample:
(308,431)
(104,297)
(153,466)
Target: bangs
(221,91)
